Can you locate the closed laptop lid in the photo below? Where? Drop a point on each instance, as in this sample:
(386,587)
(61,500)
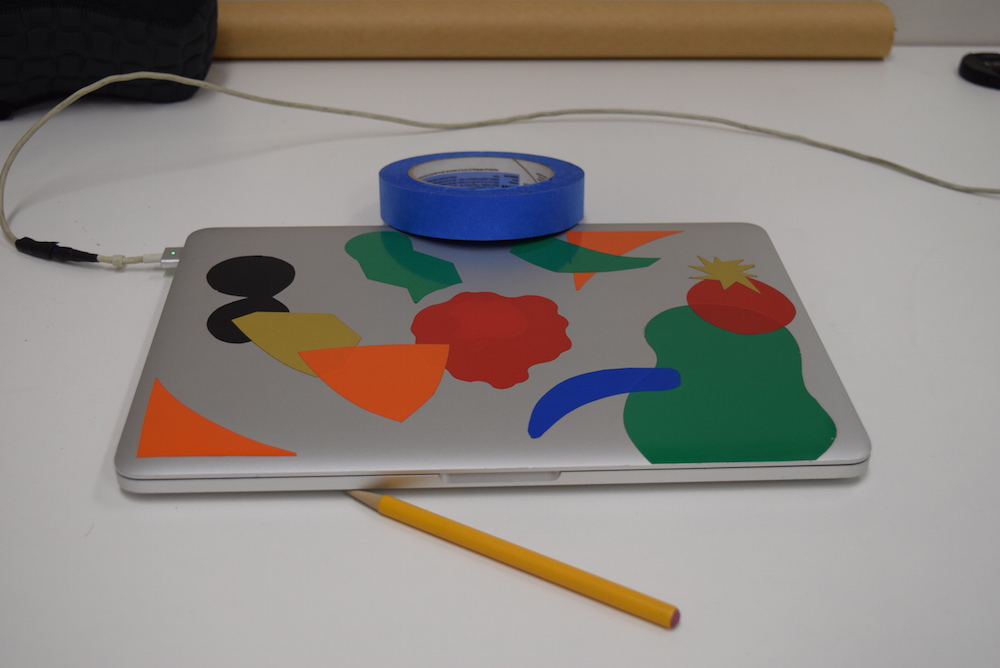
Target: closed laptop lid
(350,357)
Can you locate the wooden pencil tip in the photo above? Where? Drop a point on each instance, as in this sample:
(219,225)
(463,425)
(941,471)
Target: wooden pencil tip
(370,499)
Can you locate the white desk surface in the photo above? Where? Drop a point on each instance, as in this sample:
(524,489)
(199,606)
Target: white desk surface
(898,568)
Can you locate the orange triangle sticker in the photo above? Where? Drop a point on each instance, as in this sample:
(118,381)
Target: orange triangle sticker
(171,429)
(613,242)
(392,380)
(580,277)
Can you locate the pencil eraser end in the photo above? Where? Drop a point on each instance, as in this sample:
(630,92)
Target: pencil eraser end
(675,619)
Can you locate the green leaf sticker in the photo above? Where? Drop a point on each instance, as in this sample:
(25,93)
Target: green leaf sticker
(563,257)
(389,257)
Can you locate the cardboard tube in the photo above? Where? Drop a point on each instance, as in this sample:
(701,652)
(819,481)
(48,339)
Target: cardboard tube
(552,29)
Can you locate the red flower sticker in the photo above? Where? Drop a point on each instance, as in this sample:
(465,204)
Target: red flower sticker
(493,338)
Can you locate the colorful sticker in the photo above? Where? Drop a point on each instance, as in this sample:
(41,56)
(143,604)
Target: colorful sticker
(257,278)
(614,242)
(171,429)
(742,399)
(493,338)
(392,380)
(389,257)
(732,299)
(561,256)
(580,390)
(284,335)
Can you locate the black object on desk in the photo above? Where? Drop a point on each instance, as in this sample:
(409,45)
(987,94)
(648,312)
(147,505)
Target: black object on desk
(49,49)
(981,68)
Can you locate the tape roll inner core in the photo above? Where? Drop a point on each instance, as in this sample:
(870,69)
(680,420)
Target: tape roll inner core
(481,172)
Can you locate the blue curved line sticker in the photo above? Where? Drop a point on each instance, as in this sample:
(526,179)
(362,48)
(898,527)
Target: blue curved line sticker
(577,391)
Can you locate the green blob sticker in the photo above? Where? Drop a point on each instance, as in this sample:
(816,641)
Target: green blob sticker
(564,257)
(742,397)
(389,257)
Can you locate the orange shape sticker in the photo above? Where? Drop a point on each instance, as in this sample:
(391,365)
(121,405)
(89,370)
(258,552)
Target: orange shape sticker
(613,242)
(284,335)
(171,429)
(391,380)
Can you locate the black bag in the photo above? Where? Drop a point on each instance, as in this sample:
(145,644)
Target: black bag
(51,48)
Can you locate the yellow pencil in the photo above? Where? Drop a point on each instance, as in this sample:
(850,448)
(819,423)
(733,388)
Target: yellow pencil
(581,582)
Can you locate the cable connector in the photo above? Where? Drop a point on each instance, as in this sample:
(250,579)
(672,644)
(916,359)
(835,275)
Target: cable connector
(171,257)
(51,250)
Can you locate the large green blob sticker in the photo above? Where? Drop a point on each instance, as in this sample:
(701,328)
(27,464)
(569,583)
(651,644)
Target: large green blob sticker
(742,399)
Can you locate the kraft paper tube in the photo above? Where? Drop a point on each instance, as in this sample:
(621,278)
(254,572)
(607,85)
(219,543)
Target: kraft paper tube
(552,29)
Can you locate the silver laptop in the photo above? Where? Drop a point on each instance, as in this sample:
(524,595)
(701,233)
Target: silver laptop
(327,358)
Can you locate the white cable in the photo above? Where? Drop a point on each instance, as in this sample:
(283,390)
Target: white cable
(120,261)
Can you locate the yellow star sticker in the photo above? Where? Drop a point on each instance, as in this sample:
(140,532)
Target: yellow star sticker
(726,272)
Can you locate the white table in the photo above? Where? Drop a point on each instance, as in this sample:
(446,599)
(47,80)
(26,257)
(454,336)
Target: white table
(898,568)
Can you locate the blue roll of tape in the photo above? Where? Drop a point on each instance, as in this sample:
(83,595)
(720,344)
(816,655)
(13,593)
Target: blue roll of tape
(481,196)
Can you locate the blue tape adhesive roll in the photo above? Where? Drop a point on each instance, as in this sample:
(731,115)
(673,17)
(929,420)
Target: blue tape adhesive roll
(481,196)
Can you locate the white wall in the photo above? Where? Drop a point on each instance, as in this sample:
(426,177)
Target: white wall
(944,22)
(973,22)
